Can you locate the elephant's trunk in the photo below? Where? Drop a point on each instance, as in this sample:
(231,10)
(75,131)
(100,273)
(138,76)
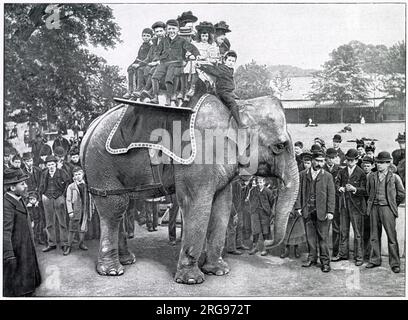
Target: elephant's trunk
(285,202)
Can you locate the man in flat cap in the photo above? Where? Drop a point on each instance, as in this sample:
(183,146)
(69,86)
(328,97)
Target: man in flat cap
(385,193)
(316,203)
(351,185)
(53,185)
(21,274)
(136,69)
(171,52)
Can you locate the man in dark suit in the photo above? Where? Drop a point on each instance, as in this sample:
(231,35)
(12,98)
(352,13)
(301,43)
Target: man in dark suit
(351,185)
(316,203)
(385,193)
(21,274)
(234,239)
(53,185)
(262,201)
(333,169)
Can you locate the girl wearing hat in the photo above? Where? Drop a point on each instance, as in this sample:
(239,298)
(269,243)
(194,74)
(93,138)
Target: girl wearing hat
(209,53)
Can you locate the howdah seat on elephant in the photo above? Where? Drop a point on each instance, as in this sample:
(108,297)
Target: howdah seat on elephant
(200,176)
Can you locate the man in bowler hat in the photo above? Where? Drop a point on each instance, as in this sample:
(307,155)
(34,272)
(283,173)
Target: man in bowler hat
(21,274)
(333,169)
(385,193)
(316,203)
(351,185)
(336,146)
(398,156)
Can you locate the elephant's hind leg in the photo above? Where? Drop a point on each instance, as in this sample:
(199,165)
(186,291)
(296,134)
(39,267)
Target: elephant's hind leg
(111,210)
(125,255)
(217,228)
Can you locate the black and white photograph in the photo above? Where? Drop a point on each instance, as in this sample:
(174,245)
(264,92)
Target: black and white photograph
(203,150)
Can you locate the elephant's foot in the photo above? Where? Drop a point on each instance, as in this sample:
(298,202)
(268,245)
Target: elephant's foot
(128,258)
(189,275)
(108,264)
(218,268)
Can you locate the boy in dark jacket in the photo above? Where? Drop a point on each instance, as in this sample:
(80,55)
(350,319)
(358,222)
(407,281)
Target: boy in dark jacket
(136,69)
(34,212)
(225,83)
(171,52)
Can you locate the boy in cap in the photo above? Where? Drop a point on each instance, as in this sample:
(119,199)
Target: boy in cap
(385,193)
(225,85)
(152,59)
(6,158)
(136,69)
(34,173)
(74,160)
(171,52)
(316,203)
(77,202)
(183,75)
(16,162)
(298,147)
(351,185)
(34,210)
(221,29)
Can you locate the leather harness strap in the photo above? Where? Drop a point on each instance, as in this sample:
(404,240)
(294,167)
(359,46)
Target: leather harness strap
(107,192)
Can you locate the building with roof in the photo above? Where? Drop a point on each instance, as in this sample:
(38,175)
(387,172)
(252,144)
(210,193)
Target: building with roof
(299,108)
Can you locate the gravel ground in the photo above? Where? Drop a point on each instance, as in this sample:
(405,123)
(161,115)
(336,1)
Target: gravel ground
(250,276)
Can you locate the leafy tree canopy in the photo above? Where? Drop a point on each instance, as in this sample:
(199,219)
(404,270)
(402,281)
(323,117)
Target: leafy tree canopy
(48,69)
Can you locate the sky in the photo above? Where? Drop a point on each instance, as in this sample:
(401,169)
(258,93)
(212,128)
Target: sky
(301,35)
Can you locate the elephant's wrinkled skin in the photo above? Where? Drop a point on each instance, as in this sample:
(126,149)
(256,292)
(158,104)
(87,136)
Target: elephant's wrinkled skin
(203,191)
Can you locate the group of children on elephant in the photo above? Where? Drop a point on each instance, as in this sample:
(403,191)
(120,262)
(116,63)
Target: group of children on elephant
(174,52)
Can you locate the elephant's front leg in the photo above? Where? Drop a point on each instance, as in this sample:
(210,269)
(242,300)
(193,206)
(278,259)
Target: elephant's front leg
(217,228)
(196,213)
(110,211)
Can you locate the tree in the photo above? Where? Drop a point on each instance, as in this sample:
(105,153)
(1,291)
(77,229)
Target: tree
(342,79)
(252,80)
(280,83)
(49,70)
(394,80)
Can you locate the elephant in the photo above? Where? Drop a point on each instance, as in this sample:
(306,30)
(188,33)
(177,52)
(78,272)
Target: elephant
(203,190)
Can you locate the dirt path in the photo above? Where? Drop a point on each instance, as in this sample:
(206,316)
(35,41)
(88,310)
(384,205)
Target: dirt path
(251,276)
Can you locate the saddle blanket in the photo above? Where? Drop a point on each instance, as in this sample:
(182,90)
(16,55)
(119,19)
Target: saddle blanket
(148,127)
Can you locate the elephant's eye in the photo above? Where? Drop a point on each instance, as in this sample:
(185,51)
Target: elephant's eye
(278,148)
